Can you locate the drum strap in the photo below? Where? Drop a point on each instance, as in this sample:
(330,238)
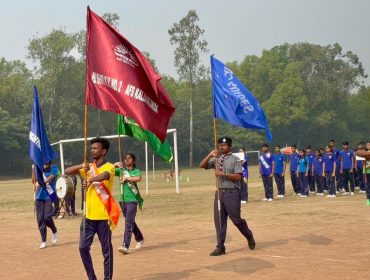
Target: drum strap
(106,198)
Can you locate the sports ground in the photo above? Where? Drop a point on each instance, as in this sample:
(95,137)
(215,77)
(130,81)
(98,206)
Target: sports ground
(297,238)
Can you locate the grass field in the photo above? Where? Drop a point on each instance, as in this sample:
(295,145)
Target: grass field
(312,238)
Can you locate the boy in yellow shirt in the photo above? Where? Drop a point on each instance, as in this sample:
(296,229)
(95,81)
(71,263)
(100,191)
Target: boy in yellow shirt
(98,181)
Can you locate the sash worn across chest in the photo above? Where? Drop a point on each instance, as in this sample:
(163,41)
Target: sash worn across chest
(106,198)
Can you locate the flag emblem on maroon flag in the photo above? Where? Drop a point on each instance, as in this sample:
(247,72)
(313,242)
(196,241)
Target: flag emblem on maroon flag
(121,80)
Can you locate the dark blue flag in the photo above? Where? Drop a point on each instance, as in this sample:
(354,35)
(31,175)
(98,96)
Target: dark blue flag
(40,150)
(233,102)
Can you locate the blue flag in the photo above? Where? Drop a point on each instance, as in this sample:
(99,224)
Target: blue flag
(40,151)
(233,102)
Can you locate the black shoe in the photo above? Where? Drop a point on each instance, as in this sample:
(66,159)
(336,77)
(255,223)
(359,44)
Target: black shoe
(218,252)
(251,243)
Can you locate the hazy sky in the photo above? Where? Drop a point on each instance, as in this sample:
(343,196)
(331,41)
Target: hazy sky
(233,28)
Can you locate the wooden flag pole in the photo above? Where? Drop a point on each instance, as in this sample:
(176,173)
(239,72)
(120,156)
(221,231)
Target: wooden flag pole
(85,162)
(34,189)
(216,166)
(120,157)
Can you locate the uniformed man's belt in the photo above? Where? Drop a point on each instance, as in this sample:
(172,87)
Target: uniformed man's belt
(229,190)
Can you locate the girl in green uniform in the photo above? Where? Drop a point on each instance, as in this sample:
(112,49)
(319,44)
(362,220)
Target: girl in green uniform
(129,199)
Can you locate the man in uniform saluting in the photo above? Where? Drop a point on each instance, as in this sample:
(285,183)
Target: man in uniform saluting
(228,171)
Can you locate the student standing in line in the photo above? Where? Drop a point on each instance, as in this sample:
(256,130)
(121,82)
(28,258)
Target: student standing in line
(347,158)
(303,163)
(329,169)
(310,177)
(244,181)
(266,167)
(318,172)
(338,176)
(279,171)
(323,152)
(293,158)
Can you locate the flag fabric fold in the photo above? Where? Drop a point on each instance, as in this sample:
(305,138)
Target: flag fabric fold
(40,151)
(129,127)
(233,102)
(121,80)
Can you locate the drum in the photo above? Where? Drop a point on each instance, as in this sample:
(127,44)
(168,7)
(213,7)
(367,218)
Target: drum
(65,187)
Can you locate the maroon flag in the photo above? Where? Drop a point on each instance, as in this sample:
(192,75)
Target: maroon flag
(121,80)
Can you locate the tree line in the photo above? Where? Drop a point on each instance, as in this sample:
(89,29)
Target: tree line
(310,93)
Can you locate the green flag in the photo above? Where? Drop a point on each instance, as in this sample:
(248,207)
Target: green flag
(127,126)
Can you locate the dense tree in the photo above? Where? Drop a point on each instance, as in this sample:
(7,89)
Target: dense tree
(310,93)
(15,113)
(188,37)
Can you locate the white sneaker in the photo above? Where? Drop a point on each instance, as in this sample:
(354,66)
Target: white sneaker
(54,238)
(333,195)
(303,196)
(361,192)
(352,193)
(325,191)
(265,199)
(43,245)
(320,193)
(243,202)
(299,194)
(281,196)
(345,193)
(328,195)
(123,250)
(270,199)
(312,191)
(140,244)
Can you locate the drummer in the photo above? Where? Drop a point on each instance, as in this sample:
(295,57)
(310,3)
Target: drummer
(44,207)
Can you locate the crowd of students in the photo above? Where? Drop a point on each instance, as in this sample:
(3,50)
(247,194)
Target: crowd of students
(328,170)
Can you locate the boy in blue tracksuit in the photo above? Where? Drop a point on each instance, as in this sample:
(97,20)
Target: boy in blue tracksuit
(329,170)
(244,182)
(347,158)
(293,158)
(318,172)
(303,163)
(338,176)
(310,177)
(265,168)
(279,171)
